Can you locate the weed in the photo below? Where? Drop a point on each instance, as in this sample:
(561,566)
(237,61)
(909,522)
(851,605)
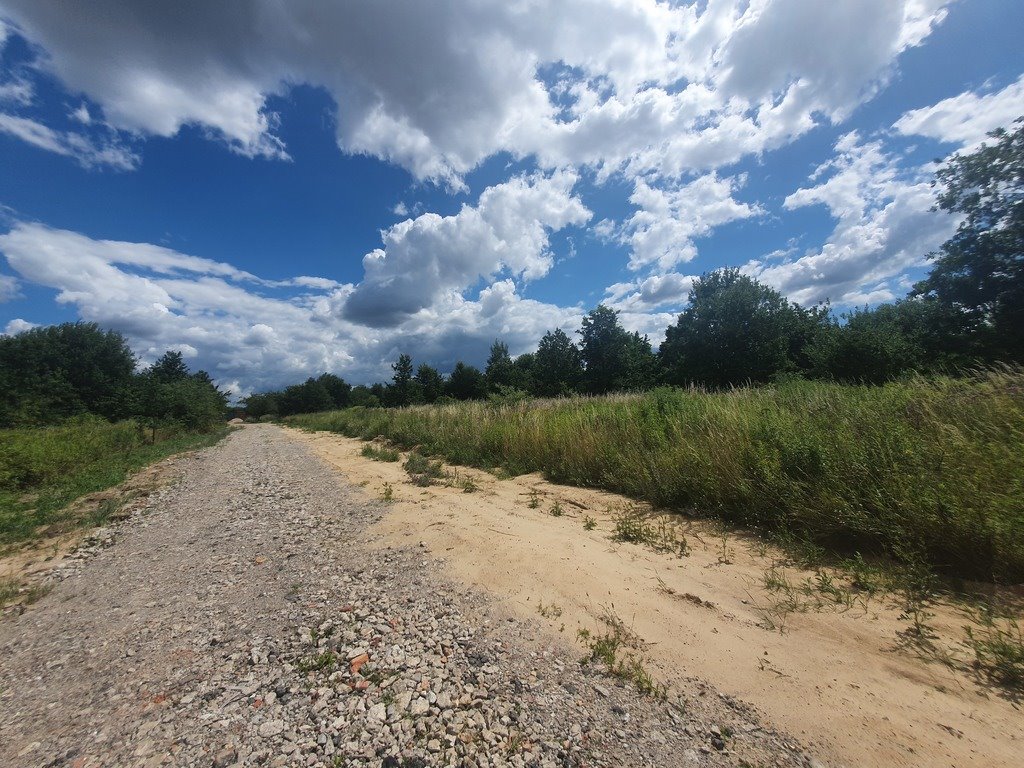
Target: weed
(608,647)
(387,493)
(998,646)
(534,501)
(633,525)
(589,523)
(318,663)
(556,509)
(422,470)
(469,485)
(724,553)
(549,611)
(380,453)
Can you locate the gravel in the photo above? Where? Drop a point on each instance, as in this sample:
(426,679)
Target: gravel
(246,615)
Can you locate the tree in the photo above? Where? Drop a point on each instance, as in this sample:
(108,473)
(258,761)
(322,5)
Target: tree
(259,405)
(337,388)
(466,383)
(522,372)
(48,374)
(613,359)
(170,367)
(735,331)
(557,368)
(980,270)
(364,397)
(309,397)
(431,383)
(401,391)
(499,369)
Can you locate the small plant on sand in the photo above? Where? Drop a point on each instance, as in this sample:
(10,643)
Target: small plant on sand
(551,611)
(469,485)
(998,646)
(634,526)
(379,453)
(534,501)
(387,493)
(422,470)
(556,509)
(589,523)
(617,649)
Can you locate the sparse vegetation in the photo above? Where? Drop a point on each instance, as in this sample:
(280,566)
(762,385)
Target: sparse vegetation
(556,509)
(379,453)
(589,523)
(534,501)
(423,471)
(998,647)
(387,493)
(635,526)
(618,650)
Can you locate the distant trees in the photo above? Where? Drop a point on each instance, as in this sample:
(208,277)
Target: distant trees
(557,366)
(737,331)
(613,359)
(49,374)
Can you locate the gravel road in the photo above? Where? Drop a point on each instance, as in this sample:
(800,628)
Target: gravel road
(247,615)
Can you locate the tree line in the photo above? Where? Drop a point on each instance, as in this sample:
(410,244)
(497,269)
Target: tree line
(968,312)
(51,374)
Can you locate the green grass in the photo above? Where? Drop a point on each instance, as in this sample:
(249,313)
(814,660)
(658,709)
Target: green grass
(920,471)
(380,453)
(43,470)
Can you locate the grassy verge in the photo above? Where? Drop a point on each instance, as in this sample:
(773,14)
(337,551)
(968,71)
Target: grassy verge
(43,470)
(922,471)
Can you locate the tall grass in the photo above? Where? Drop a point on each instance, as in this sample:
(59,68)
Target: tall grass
(923,470)
(43,470)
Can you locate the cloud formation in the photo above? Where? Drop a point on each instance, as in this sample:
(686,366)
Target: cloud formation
(438,87)
(430,255)
(965,119)
(884,225)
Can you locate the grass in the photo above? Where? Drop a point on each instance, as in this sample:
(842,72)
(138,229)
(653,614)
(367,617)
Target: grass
(618,650)
(922,470)
(635,526)
(43,470)
(380,453)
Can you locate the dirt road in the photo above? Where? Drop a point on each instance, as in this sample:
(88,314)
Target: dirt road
(257,612)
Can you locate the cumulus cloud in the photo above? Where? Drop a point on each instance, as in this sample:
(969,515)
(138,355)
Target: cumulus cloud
(661,232)
(965,119)
(884,225)
(425,257)
(436,88)
(649,293)
(17,326)
(221,318)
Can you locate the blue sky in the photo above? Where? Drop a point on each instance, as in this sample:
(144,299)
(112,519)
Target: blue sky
(279,190)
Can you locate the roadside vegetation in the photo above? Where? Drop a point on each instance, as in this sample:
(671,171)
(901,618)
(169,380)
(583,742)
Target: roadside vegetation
(76,416)
(925,470)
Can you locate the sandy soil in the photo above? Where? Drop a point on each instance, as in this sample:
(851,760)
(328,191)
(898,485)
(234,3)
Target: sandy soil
(835,676)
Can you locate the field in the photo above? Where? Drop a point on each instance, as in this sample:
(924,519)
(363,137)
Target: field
(926,472)
(43,470)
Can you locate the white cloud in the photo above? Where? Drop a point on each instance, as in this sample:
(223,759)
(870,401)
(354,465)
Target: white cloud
(8,288)
(830,55)
(17,326)
(646,294)
(162,299)
(423,258)
(85,150)
(966,118)
(644,86)
(884,225)
(661,232)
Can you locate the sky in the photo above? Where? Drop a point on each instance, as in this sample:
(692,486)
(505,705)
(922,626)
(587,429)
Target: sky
(282,189)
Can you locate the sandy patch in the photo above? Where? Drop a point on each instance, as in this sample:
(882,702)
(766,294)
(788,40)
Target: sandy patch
(834,677)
